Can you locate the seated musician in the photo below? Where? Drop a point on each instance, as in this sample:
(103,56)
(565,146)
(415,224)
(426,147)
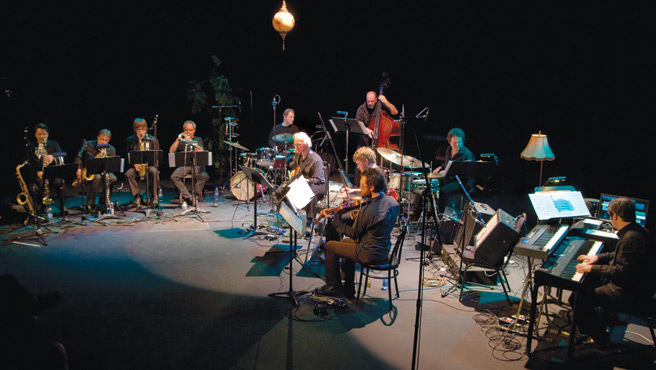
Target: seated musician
(286,127)
(364,157)
(187,142)
(141,140)
(39,156)
(619,279)
(365,113)
(99,148)
(450,191)
(368,230)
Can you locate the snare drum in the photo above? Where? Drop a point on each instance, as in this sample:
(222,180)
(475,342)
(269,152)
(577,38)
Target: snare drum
(265,157)
(398,181)
(247,159)
(242,188)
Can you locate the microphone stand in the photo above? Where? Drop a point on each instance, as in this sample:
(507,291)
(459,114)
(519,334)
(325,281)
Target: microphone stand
(428,194)
(274,103)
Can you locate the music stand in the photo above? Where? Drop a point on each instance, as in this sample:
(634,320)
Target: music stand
(103,166)
(295,226)
(65,172)
(191,159)
(256,178)
(347,125)
(150,158)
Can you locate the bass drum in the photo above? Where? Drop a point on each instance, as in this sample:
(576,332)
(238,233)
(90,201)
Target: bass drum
(242,188)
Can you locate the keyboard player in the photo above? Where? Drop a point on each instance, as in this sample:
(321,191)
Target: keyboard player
(617,279)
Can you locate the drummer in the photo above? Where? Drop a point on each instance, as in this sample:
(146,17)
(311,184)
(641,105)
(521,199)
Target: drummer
(364,157)
(286,127)
(450,192)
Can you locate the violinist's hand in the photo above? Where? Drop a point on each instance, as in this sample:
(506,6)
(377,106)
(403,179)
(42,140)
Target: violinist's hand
(78,174)
(354,213)
(326,214)
(369,132)
(437,170)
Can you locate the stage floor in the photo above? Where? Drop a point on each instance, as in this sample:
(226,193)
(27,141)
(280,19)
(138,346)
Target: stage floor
(176,292)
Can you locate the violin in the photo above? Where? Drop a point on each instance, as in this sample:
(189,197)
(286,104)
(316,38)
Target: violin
(344,207)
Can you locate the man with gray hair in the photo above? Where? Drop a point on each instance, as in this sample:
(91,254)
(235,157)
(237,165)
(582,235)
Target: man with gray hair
(187,142)
(618,279)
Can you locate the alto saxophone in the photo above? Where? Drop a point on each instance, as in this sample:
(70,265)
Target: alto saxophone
(83,175)
(24,198)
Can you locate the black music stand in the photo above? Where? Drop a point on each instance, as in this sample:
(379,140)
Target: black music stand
(62,171)
(191,159)
(150,158)
(348,125)
(103,166)
(256,178)
(295,227)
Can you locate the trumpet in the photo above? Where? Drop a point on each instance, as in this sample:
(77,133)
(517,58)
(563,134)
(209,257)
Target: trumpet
(184,137)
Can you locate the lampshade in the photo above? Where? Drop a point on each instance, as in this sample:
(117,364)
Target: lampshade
(283,22)
(538,149)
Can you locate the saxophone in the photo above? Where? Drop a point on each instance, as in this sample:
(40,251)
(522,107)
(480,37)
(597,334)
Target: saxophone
(142,167)
(84,178)
(24,198)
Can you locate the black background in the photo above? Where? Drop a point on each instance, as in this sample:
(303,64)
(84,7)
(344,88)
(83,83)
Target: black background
(582,73)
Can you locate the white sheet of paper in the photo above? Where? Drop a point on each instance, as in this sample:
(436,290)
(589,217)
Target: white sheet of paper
(558,204)
(300,193)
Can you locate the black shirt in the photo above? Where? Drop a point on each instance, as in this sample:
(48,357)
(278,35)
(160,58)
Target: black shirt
(311,167)
(463,155)
(89,150)
(280,129)
(372,227)
(35,161)
(365,114)
(629,267)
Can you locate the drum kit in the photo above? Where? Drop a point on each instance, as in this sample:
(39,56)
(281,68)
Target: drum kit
(270,163)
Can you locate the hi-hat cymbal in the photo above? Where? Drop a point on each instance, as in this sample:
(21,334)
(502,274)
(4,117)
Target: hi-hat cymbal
(283,138)
(236,145)
(395,157)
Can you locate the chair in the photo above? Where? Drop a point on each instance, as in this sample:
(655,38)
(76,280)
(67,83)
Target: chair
(392,265)
(644,312)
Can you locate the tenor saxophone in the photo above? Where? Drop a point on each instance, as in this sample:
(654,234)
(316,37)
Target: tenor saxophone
(23,198)
(83,175)
(142,166)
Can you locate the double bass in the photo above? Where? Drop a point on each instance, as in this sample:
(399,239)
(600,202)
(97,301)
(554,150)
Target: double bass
(382,123)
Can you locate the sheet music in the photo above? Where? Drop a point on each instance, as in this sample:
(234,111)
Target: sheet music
(300,193)
(558,204)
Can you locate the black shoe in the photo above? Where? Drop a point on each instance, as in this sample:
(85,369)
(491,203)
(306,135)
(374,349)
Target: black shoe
(330,290)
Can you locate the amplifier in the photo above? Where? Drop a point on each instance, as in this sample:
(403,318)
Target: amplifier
(493,241)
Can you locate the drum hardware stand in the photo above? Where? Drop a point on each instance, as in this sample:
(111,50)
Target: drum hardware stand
(257,179)
(427,194)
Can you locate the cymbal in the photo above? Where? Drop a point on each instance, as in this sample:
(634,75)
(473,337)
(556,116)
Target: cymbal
(395,157)
(236,145)
(283,138)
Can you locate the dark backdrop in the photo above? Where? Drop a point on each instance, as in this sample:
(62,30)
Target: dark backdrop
(499,70)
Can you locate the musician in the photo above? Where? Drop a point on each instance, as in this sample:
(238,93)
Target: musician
(99,148)
(619,279)
(450,191)
(309,164)
(365,113)
(368,231)
(286,127)
(364,157)
(39,156)
(187,142)
(141,140)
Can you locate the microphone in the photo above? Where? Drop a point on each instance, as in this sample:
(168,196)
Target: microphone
(345,113)
(276,100)
(422,114)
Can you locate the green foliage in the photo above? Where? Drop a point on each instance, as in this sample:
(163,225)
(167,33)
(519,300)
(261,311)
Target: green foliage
(215,91)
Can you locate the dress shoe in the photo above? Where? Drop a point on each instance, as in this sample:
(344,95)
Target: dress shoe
(330,290)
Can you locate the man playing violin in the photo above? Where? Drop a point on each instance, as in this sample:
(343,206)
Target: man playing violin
(368,230)
(365,112)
